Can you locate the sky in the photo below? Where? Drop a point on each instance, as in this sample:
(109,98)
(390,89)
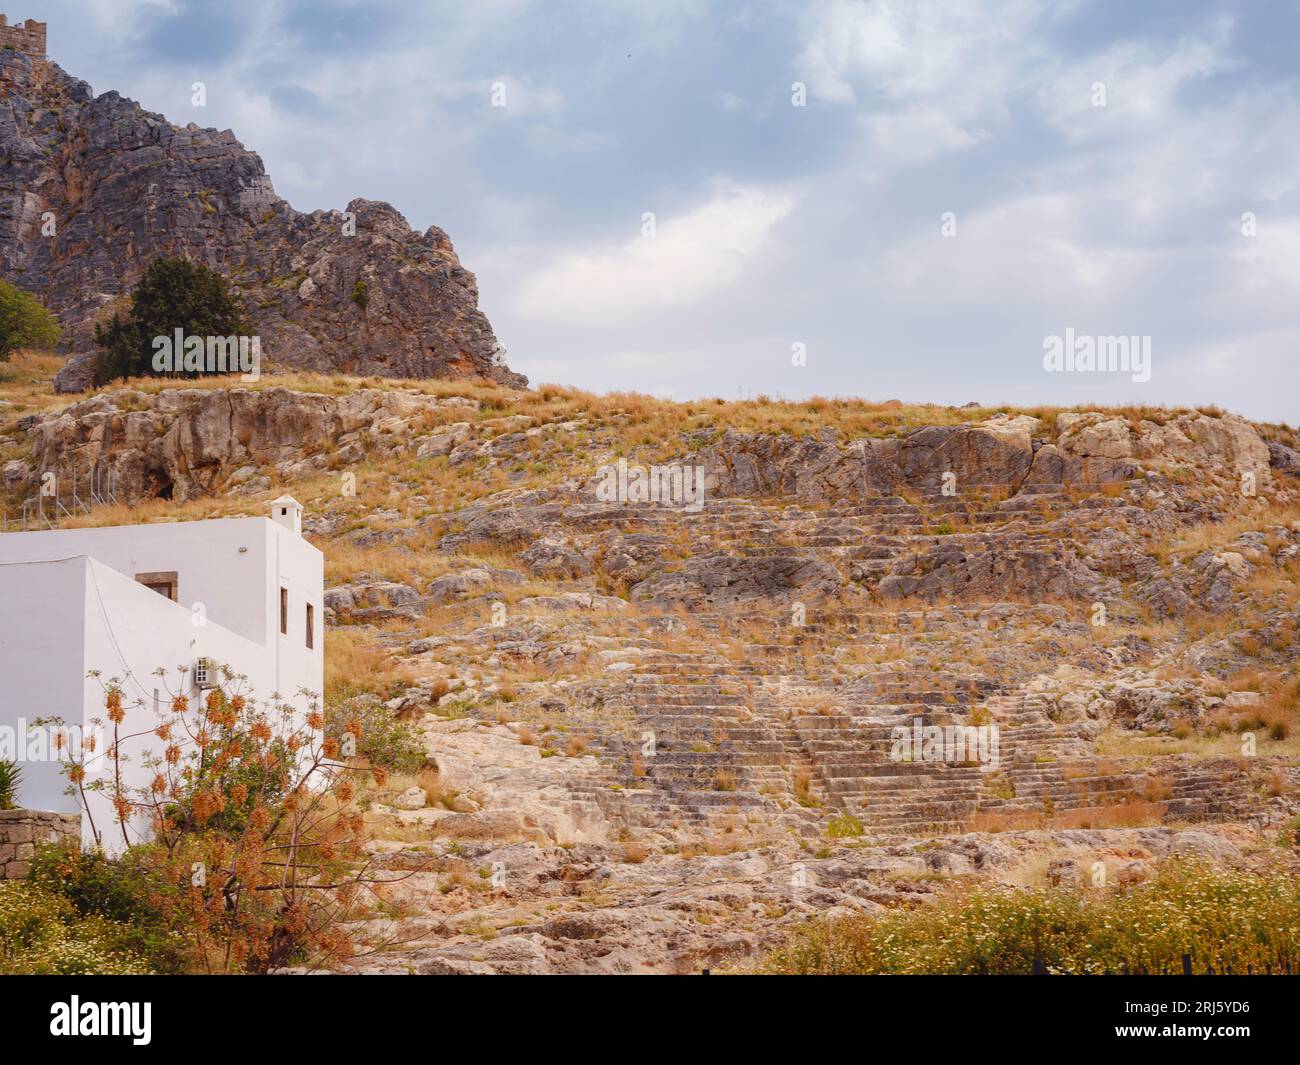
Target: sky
(891,200)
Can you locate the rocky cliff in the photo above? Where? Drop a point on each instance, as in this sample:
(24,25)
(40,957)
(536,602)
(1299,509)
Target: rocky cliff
(672,729)
(93,188)
(952,499)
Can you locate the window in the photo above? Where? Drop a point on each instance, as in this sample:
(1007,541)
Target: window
(164,583)
(284,611)
(311,627)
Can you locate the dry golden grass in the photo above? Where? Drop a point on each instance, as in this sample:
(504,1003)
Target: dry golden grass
(1217,535)
(436,793)
(1032,871)
(1133,813)
(1275,717)
(355,662)
(1008,821)
(165,510)
(802,783)
(717,847)
(1158,789)
(1121,744)
(416,565)
(1275,784)
(27,381)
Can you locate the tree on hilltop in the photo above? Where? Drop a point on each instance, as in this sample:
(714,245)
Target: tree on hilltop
(173,294)
(24,322)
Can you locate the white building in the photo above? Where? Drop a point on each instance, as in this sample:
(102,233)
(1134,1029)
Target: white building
(128,600)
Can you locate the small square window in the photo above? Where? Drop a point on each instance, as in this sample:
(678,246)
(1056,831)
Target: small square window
(165,583)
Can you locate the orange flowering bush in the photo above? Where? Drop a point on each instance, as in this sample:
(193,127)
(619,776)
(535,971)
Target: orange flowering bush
(246,832)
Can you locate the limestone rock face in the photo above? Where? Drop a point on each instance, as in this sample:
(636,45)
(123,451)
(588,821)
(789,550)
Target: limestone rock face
(1286,459)
(92,189)
(954,570)
(1225,441)
(721,579)
(188,442)
(480,580)
(996,454)
(549,557)
(1091,448)
(372,600)
(1083,435)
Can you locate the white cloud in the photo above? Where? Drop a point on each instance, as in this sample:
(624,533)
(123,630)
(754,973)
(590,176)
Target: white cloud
(690,258)
(917,50)
(1268,264)
(1141,85)
(928,78)
(520,98)
(1112,219)
(917,134)
(1254,372)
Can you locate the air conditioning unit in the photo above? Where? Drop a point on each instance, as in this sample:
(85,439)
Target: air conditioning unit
(205,676)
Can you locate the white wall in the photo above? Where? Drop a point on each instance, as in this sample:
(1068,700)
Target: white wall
(42,648)
(294,564)
(63,618)
(206,556)
(234,567)
(131,632)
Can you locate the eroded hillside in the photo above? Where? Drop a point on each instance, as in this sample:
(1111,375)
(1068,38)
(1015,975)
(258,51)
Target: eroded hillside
(658,734)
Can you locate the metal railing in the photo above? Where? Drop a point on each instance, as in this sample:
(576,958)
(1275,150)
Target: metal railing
(62,492)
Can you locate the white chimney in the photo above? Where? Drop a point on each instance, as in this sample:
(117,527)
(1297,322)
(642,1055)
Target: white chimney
(287,511)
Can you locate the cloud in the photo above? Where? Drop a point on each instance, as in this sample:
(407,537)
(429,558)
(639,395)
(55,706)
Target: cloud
(917,134)
(519,98)
(689,258)
(1142,85)
(1117,219)
(918,50)
(1268,264)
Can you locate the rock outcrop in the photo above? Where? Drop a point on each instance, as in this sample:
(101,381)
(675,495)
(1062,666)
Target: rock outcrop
(1007,528)
(989,568)
(1091,448)
(92,189)
(721,580)
(188,442)
(822,469)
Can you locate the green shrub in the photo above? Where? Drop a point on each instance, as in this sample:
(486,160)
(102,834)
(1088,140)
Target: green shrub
(384,741)
(173,294)
(24,323)
(41,934)
(11,775)
(845,826)
(1221,919)
(361,294)
(122,892)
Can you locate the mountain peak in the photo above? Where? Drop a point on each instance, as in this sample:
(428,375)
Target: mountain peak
(92,189)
